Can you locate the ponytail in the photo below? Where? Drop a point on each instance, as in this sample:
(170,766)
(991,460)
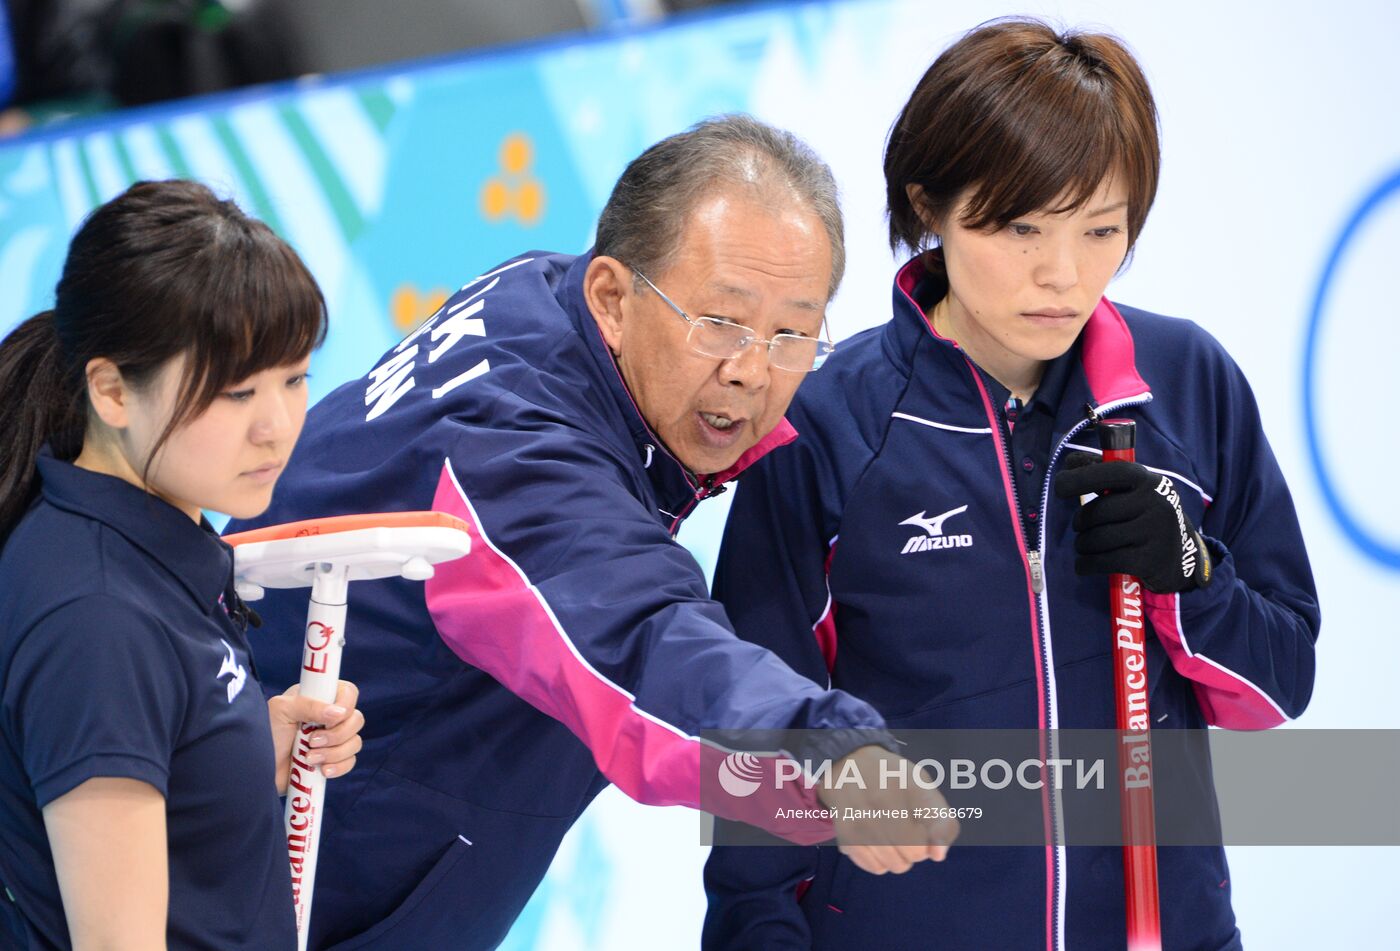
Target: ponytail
(43,403)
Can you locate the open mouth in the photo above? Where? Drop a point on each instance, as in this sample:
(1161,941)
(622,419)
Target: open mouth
(718,430)
(722,423)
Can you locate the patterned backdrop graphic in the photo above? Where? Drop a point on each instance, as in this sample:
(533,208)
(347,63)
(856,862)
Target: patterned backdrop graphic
(397,185)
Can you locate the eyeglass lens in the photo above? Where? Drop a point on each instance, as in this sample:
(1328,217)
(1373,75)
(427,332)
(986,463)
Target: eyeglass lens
(716,339)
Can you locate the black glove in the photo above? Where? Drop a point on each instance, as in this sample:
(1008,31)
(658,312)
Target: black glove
(1136,526)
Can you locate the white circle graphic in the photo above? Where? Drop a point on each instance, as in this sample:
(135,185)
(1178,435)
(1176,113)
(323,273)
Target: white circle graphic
(739,774)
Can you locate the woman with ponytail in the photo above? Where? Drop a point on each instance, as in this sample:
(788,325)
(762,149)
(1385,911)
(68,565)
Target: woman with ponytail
(138,773)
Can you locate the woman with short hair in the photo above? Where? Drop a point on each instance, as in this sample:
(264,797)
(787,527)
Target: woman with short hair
(922,545)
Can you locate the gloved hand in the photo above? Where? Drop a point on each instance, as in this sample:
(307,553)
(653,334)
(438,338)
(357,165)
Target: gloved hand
(1136,526)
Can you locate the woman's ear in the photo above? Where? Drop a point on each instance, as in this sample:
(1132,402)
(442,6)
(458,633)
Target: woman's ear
(606,283)
(919,200)
(108,392)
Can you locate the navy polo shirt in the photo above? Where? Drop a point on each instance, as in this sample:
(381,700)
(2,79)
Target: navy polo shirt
(118,658)
(1029,430)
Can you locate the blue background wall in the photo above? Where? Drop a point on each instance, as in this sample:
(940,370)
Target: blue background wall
(1276,227)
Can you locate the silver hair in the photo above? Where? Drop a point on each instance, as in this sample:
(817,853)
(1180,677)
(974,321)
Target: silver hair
(646,214)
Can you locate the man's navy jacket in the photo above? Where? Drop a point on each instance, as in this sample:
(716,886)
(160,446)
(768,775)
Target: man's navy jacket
(576,645)
(885,552)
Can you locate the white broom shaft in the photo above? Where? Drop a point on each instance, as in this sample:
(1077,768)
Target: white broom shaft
(306,789)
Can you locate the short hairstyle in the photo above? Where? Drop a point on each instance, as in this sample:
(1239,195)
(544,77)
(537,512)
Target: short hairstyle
(644,219)
(1022,119)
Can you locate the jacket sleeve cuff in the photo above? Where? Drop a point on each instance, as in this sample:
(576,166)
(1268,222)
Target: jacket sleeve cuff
(1222,568)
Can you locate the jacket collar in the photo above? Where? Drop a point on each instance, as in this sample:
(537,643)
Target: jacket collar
(668,476)
(193,554)
(1106,350)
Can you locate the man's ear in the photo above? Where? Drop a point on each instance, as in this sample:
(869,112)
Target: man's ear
(919,200)
(108,392)
(607,283)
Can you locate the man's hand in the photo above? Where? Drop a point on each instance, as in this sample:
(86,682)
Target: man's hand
(1136,526)
(333,745)
(880,845)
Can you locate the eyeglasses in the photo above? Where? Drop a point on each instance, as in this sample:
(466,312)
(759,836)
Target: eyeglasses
(716,337)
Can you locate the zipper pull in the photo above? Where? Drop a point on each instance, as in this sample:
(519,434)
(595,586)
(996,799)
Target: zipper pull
(1037,572)
(708,489)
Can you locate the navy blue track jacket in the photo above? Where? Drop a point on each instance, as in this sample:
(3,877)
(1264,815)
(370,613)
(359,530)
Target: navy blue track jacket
(576,645)
(969,621)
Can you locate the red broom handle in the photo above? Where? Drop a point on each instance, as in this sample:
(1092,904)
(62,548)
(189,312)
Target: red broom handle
(1118,439)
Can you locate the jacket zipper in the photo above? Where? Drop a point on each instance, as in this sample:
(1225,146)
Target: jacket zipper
(706,489)
(1094,414)
(1035,563)
(1037,570)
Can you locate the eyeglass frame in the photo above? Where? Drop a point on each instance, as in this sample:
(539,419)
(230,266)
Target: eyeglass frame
(824,347)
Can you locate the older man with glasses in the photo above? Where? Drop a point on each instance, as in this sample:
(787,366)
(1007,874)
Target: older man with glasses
(573,414)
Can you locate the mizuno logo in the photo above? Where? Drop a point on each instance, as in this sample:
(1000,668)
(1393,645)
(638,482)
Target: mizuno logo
(934,537)
(232,666)
(934,526)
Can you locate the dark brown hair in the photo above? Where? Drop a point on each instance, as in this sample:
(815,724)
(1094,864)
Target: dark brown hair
(164,269)
(1021,119)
